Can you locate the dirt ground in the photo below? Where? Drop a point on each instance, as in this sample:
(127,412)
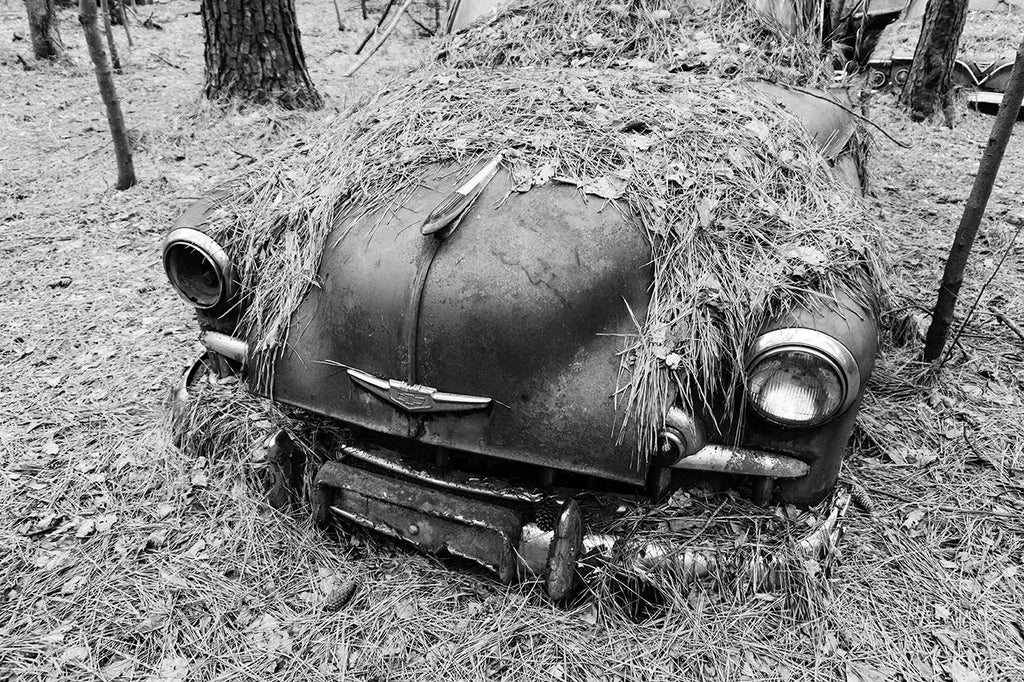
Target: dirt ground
(124,558)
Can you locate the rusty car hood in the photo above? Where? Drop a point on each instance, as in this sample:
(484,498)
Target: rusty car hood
(502,339)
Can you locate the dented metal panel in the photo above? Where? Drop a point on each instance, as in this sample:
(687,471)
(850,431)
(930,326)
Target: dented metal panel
(434,520)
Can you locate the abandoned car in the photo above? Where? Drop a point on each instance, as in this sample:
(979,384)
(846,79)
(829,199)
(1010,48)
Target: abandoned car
(985,57)
(491,331)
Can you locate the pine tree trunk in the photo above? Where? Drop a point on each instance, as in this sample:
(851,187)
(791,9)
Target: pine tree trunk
(105,79)
(253,53)
(930,82)
(44,29)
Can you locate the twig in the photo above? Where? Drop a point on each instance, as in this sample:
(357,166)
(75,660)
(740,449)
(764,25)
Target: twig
(949,509)
(846,109)
(115,59)
(977,299)
(90,153)
(170,63)
(380,22)
(337,12)
(1013,326)
(416,21)
(383,38)
(124,22)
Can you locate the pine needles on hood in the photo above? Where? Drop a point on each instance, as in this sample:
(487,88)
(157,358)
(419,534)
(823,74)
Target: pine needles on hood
(743,213)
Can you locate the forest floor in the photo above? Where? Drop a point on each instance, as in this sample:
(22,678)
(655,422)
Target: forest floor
(121,557)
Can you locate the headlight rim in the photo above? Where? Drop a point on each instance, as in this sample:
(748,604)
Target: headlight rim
(209,248)
(814,342)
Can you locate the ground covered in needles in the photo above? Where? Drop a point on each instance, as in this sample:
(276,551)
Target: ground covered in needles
(123,557)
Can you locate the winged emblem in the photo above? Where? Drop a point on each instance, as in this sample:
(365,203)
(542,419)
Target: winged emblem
(416,398)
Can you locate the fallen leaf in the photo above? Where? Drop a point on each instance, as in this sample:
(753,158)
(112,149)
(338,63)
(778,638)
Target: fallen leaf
(173,579)
(595,41)
(172,669)
(406,610)
(105,522)
(913,518)
(156,539)
(759,129)
(152,623)
(56,636)
(640,64)
(607,187)
(85,529)
(639,142)
(75,653)
(959,672)
(805,254)
(706,211)
(119,668)
(71,586)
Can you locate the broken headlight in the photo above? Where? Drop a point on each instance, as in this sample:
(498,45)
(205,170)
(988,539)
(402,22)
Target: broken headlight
(198,268)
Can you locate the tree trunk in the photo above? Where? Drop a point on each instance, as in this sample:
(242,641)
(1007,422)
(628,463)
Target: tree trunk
(44,29)
(105,79)
(253,53)
(930,82)
(953,274)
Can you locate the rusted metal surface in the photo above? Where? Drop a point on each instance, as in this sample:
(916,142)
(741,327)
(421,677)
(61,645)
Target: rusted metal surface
(281,475)
(564,552)
(737,460)
(189,377)
(433,520)
(441,476)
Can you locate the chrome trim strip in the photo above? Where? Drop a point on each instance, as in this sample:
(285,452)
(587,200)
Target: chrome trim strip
(737,460)
(802,338)
(228,346)
(414,397)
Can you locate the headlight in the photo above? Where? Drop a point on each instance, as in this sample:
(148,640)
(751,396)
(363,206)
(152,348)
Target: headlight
(800,377)
(198,268)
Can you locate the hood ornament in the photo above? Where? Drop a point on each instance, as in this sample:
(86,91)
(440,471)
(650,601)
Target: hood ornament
(446,216)
(416,398)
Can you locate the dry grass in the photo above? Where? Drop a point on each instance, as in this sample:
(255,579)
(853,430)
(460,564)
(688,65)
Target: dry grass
(926,589)
(726,38)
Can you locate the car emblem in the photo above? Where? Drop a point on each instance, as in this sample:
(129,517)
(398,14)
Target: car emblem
(416,398)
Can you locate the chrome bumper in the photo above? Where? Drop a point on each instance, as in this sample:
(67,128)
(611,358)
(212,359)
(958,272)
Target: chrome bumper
(738,460)
(484,520)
